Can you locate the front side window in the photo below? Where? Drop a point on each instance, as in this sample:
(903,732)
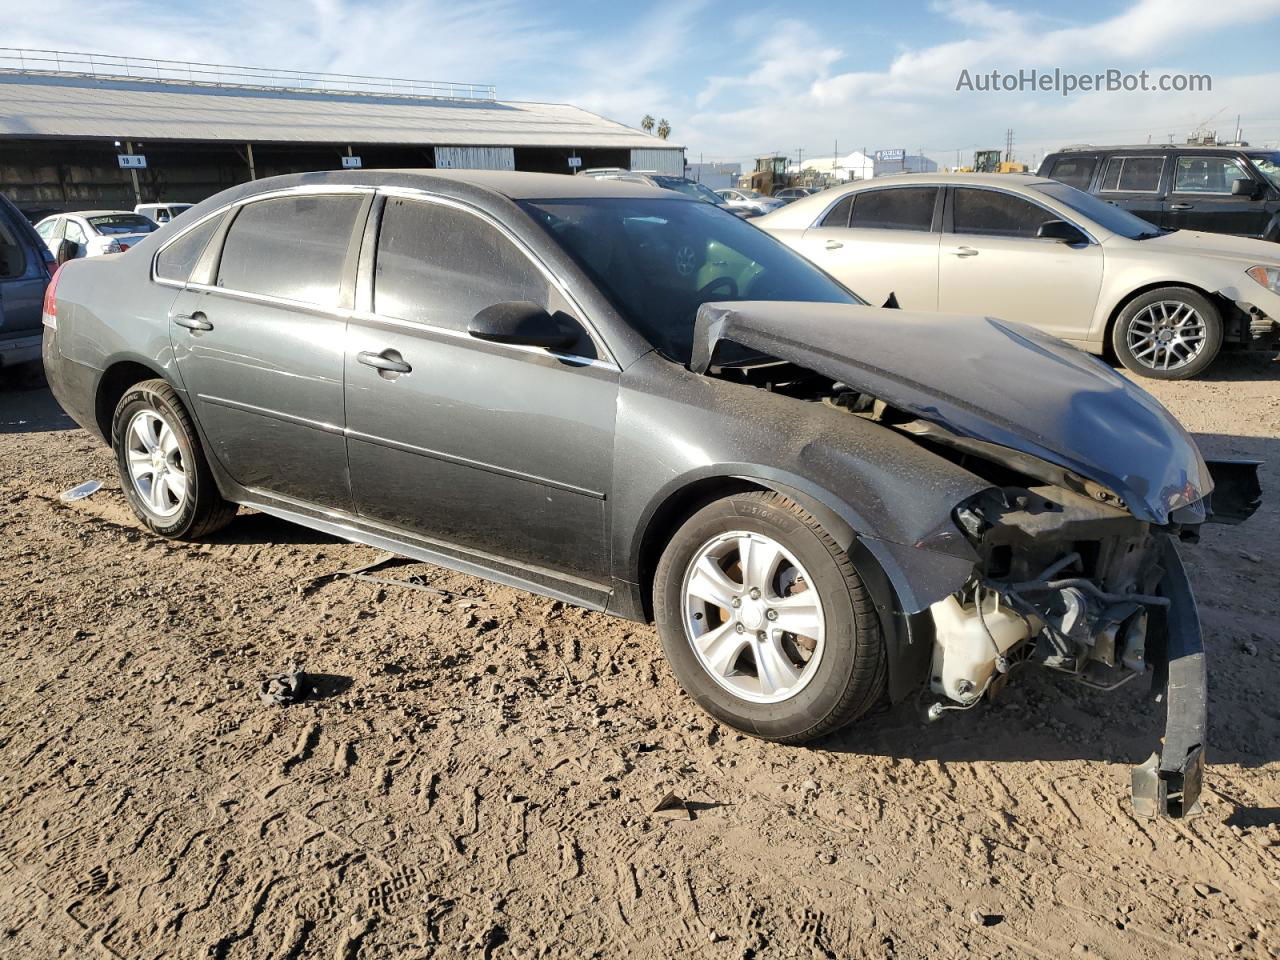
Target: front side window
(659,260)
(898,208)
(178,259)
(993,213)
(1207,174)
(1106,215)
(121,223)
(441,266)
(1132,175)
(290,247)
(1074,171)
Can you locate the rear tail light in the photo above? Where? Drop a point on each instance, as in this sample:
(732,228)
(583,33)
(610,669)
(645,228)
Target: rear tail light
(49,315)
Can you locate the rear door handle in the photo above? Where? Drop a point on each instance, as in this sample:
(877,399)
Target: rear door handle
(965,252)
(834,244)
(388,361)
(1182,206)
(193,321)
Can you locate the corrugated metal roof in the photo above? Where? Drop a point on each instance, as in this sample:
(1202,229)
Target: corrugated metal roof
(84,107)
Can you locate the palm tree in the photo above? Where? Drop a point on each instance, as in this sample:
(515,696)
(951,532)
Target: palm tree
(647,124)
(664,128)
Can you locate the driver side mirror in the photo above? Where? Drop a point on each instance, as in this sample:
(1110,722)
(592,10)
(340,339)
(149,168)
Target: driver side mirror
(523,323)
(1246,188)
(1061,231)
(67,250)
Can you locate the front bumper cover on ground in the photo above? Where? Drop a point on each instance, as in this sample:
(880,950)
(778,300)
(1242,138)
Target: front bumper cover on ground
(1168,783)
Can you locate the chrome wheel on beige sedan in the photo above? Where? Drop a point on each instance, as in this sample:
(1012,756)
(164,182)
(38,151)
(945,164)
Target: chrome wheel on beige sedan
(1166,335)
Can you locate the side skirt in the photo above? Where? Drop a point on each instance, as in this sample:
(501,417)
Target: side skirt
(581,593)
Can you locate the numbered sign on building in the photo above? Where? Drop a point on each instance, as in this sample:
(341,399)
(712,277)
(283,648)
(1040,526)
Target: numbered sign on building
(132,161)
(351,163)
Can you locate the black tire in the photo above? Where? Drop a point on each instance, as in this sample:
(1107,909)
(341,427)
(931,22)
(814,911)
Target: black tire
(203,510)
(1211,315)
(848,679)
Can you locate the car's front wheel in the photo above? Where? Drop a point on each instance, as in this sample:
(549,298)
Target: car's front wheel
(1171,333)
(765,621)
(164,473)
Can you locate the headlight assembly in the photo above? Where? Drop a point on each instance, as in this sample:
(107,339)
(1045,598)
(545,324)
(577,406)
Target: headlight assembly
(1269,277)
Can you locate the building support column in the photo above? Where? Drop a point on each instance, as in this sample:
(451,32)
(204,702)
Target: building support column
(133,173)
(253,174)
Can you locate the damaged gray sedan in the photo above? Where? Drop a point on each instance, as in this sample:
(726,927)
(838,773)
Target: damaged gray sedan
(635,402)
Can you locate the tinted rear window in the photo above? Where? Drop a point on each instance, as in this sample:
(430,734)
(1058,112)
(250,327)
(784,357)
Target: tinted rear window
(118,223)
(12,260)
(1074,171)
(1133,174)
(290,247)
(899,208)
(177,260)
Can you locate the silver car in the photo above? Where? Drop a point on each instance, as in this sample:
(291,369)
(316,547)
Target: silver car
(1037,251)
(750,203)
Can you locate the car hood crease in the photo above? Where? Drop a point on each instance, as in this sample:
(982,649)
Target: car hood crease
(992,380)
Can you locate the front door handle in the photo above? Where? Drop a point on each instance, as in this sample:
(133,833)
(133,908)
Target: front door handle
(1182,206)
(965,252)
(388,361)
(193,321)
(834,244)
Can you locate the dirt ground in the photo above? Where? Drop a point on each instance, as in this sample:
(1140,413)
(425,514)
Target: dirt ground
(478,773)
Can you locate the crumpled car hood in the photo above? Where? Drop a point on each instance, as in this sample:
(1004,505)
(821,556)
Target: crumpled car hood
(991,380)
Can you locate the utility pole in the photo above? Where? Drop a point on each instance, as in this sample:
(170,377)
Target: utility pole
(1008,145)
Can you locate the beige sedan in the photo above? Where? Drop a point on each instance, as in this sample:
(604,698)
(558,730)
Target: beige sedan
(1043,253)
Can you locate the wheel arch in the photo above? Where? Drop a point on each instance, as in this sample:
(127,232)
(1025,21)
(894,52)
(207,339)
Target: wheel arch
(1226,308)
(119,375)
(908,637)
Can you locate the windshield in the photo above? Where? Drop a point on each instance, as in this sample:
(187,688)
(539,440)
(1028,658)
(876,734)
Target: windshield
(1268,165)
(1104,214)
(689,188)
(658,261)
(753,194)
(122,223)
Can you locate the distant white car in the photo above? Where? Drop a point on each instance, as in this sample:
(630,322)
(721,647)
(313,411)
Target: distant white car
(162,212)
(95,232)
(750,203)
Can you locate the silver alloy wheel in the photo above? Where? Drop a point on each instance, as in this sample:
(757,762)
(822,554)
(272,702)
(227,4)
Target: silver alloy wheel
(155,461)
(753,617)
(1166,335)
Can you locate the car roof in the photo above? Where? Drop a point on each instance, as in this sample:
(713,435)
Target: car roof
(952,179)
(1161,148)
(96,213)
(511,184)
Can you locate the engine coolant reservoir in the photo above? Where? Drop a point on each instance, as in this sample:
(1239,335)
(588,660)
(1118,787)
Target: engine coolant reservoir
(963,655)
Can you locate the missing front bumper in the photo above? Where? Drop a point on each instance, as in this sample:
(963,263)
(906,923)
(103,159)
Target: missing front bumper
(1169,783)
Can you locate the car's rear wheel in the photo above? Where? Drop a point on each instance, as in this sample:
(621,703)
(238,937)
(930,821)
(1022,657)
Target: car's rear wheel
(765,621)
(164,473)
(1169,334)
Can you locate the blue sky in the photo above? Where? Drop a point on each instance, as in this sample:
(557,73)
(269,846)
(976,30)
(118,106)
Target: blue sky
(740,79)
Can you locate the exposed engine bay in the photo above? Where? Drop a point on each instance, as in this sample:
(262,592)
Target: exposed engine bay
(1067,578)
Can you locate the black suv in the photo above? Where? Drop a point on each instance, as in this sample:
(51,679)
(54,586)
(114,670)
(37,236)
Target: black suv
(25,267)
(1217,189)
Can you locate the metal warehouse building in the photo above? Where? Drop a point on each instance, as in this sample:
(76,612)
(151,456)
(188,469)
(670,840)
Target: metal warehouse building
(68,123)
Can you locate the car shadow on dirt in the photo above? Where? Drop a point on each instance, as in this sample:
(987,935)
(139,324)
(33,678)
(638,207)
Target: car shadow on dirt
(28,407)
(251,527)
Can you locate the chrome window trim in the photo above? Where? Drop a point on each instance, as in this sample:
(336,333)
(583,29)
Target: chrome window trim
(1057,214)
(424,196)
(607,363)
(1123,157)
